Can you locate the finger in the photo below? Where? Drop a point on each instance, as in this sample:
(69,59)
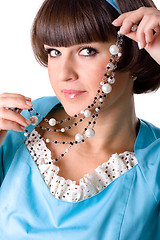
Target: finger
(15,102)
(14,95)
(126,27)
(13,116)
(118,21)
(149,36)
(9,125)
(157,29)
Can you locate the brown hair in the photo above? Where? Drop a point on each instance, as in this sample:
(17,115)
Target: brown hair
(66,23)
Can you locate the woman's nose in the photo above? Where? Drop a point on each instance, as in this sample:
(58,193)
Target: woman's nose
(68,70)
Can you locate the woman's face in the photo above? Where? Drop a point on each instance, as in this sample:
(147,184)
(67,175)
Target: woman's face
(75,74)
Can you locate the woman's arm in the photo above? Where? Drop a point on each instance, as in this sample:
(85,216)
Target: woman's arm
(147,34)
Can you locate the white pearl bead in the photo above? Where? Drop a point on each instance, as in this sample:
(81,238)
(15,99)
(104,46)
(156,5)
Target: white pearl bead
(87,113)
(67,150)
(52,122)
(111,80)
(33,120)
(97,110)
(26,134)
(119,54)
(82,112)
(102,83)
(100,100)
(90,133)
(62,130)
(134,28)
(114,49)
(111,66)
(79,137)
(106,88)
(47,140)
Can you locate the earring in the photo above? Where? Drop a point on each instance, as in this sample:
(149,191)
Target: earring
(134,77)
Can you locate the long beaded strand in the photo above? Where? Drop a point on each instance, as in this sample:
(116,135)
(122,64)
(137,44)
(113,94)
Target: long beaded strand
(104,89)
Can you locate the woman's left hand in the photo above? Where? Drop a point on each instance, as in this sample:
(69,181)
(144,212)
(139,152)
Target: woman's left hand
(147,34)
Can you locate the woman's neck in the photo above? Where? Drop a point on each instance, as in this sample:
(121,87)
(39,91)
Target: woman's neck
(115,131)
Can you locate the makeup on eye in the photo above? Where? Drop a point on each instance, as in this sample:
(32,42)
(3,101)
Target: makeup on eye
(86,51)
(52,52)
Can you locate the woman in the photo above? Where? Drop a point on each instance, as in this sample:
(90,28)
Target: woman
(86,167)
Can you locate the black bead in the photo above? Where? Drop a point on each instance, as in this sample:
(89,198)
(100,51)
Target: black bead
(50,163)
(95,98)
(105,74)
(61,121)
(55,142)
(62,155)
(69,119)
(63,142)
(69,127)
(98,91)
(31,148)
(89,107)
(75,124)
(83,140)
(56,159)
(35,154)
(89,122)
(97,115)
(93,116)
(92,105)
(81,120)
(71,143)
(85,129)
(75,115)
(94,122)
(37,114)
(99,108)
(76,142)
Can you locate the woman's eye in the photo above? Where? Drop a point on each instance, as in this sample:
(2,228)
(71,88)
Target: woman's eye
(88,51)
(53,52)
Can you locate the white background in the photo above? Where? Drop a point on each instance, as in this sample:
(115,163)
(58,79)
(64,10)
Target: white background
(19,71)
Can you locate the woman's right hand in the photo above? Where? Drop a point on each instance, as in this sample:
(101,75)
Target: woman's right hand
(11,120)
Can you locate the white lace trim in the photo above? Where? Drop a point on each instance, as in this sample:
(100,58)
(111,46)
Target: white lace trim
(90,184)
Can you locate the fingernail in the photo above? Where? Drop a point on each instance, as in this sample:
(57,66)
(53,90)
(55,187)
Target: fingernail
(23,128)
(27,121)
(29,103)
(28,99)
(139,45)
(114,21)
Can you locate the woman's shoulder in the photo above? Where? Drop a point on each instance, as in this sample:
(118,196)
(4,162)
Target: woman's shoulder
(149,131)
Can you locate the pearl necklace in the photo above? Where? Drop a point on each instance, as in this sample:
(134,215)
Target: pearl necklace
(104,89)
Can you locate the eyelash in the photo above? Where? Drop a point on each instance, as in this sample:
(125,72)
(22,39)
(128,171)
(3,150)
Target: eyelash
(48,51)
(89,48)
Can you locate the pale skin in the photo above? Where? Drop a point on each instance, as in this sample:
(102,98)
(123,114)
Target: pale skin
(117,125)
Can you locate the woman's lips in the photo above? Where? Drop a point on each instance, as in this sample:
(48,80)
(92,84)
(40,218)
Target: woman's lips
(71,94)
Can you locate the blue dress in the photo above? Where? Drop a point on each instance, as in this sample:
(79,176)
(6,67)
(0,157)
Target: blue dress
(127,209)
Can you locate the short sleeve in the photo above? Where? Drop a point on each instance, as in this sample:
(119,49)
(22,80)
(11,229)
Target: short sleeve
(1,165)
(8,150)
